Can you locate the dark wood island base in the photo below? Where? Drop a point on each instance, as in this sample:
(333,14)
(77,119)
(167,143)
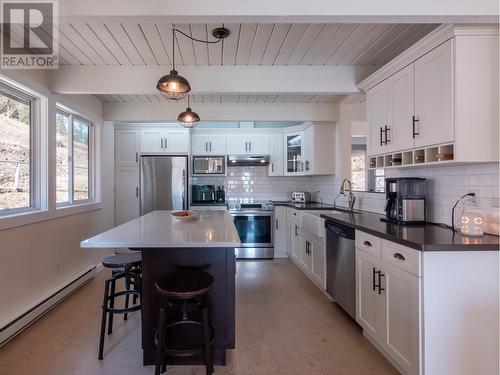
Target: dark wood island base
(220,263)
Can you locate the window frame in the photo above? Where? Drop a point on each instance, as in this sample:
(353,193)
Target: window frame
(72,115)
(16,92)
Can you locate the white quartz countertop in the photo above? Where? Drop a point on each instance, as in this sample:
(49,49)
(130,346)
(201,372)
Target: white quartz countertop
(158,229)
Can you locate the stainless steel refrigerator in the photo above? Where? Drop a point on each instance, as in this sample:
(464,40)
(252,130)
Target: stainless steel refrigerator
(164,183)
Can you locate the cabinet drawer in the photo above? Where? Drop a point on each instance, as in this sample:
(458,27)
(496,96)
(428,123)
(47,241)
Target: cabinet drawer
(368,243)
(402,257)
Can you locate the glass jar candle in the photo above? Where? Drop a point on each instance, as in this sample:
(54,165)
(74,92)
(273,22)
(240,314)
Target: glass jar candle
(471,222)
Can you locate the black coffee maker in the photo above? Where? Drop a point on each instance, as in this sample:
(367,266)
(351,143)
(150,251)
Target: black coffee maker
(203,194)
(405,200)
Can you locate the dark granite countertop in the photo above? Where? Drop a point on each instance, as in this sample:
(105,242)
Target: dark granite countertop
(429,237)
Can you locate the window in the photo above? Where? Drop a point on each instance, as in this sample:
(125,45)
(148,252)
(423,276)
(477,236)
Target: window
(73,158)
(363,179)
(16,129)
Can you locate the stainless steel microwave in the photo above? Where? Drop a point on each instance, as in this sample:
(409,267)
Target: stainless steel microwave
(209,165)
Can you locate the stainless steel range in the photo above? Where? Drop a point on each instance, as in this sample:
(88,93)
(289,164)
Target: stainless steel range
(254,223)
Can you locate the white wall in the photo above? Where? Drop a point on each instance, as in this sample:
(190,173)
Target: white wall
(37,258)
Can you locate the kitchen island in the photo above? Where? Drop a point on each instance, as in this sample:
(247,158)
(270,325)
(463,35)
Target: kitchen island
(166,243)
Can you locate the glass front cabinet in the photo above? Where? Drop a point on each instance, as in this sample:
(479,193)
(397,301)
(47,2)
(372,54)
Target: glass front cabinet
(294,153)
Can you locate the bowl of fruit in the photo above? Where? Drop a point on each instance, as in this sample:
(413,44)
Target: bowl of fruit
(184,215)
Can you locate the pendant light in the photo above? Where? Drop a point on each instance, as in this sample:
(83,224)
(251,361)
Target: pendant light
(174,86)
(188,118)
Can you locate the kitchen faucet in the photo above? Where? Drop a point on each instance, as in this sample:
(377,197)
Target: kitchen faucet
(352,198)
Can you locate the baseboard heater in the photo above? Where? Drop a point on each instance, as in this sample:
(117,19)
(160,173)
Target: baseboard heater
(14,325)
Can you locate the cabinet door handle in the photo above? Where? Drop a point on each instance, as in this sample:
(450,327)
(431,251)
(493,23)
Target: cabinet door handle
(272,167)
(414,121)
(166,143)
(296,231)
(387,129)
(250,145)
(277,225)
(373,278)
(137,192)
(137,157)
(367,243)
(399,256)
(210,143)
(380,275)
(161,146)
(206,146)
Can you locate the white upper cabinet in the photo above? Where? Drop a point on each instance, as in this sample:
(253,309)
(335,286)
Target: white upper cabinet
(276,164)
(434,96)
(308,156)
(152,141)
(248,144)
(164,141)
(208,144)
(127,148)
(319,149)
(377,117)
(438,100)
(293,153)
(400,110)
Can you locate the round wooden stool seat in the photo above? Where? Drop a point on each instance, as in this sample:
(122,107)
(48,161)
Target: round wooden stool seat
(185,284)
(122,260)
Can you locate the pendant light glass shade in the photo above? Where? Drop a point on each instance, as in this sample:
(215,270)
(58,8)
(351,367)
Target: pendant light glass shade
(188,118)
(173,86)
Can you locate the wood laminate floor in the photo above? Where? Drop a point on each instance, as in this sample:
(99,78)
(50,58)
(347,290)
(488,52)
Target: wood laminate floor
(284,325)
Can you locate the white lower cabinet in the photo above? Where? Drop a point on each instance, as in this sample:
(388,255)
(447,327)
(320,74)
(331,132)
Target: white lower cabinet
(388,307)
(307,249)
(126,194)
(280,232)
(318,267)
(402,318)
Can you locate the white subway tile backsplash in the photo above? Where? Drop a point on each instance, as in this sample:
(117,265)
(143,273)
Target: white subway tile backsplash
(445,184)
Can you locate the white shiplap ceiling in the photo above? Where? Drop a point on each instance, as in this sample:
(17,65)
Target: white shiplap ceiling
(115,43)
(227,98)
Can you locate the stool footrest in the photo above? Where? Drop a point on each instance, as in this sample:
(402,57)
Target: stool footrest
(187,351)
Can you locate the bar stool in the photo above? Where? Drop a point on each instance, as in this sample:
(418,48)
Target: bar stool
(186,336)
(125,266)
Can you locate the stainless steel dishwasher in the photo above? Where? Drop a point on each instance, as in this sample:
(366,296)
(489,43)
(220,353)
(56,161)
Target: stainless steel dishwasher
(340,266)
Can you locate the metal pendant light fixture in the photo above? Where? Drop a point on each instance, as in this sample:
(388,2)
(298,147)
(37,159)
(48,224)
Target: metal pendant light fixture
(188,118)
(174,86)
